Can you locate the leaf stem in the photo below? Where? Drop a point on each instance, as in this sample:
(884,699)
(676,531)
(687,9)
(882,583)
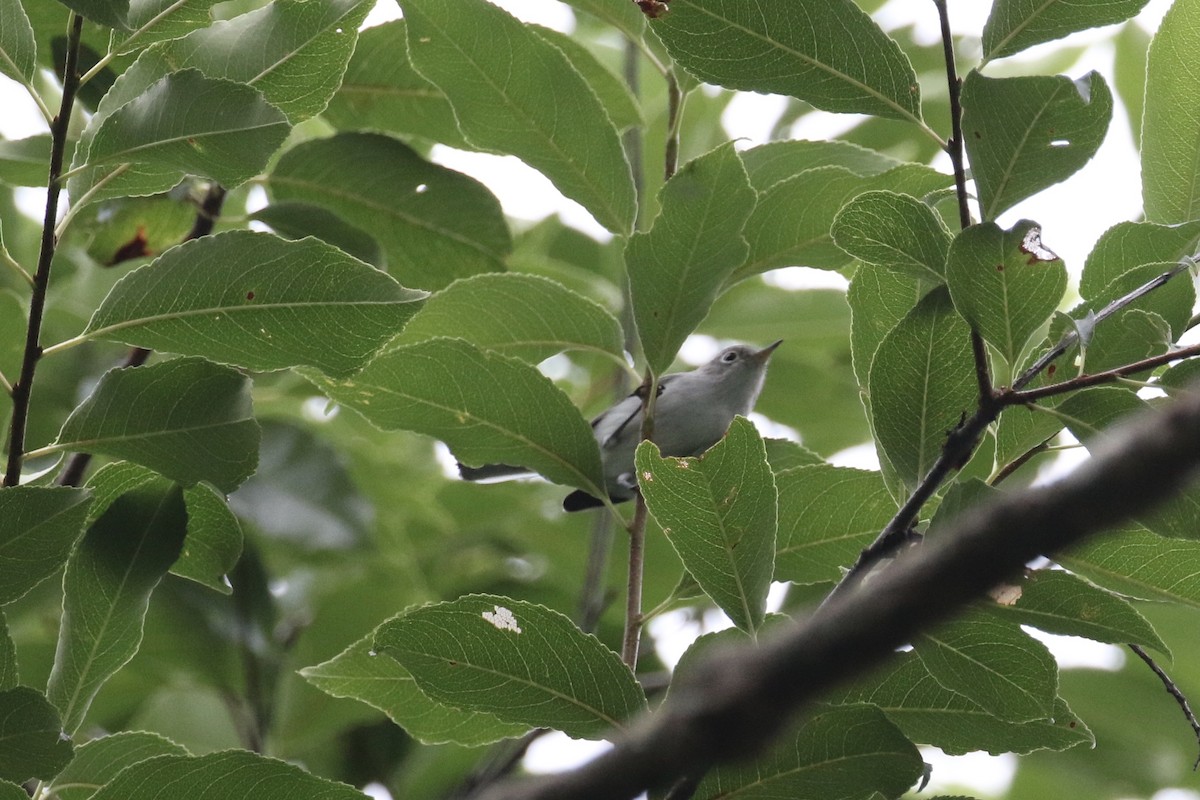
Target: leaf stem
(86,197)
(12,264)
(66,344)
(23,388)
(675,100)
(111,54)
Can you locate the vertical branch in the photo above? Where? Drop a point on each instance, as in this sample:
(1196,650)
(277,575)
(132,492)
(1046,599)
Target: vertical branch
(954,148)
(23,388)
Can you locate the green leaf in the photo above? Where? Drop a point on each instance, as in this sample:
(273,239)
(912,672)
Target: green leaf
(1024,134)
(512,90)
(187,122)
(522,662)
(434,224)
(214,539)
(791,222)
(359,673)
(1140,564)
(931,714)
(1005,283)
(111,13)
(625,17)
(922,381)
(100,760)
(829,53)
(38,528)
(381,91)
(613,92)
(189,419)
(233,775)
(214,536)
(895,231)
(677,268)
(768,164)
(719,513)
(1014,25)
(1062,603)
(23,162)
(520,315)
(107,589)
(257,301)
(32,744)
(159,20)
(18,51)
(487,407)
(1171,121)
(294,220)
(993,663)
(827,516)
(834,752)
(878,300)
(292,51)
(1128,245)
(784,454)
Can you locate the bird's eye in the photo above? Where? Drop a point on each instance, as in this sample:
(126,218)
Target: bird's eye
(730,357)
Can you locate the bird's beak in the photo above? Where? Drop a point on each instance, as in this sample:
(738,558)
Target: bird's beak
(762,355)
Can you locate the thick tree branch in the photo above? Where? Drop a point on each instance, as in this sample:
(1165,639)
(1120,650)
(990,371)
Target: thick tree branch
(737,700)
(23,388)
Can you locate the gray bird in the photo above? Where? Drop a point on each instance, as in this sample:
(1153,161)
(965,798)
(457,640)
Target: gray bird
(691,413)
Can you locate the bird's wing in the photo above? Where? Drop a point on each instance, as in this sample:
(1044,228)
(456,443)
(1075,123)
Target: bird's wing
(610,424)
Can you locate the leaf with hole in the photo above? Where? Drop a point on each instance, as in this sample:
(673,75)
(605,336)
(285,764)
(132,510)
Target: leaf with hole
(522,662)
(1024,134)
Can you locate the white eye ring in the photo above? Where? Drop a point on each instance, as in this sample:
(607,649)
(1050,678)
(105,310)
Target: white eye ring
(730,357)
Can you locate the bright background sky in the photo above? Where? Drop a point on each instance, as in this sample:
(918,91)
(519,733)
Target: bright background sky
(1073,215)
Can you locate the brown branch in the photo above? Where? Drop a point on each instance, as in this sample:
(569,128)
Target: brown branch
(1172,690)
(1108,376)
(739,699)
(22,390)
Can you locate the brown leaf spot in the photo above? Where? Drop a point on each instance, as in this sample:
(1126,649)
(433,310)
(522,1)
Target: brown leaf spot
(250,295)
(134,248)
(999,268)
(654,9)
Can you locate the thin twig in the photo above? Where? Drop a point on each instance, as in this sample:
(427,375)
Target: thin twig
(23,389)
(1172,690)
(503,759)
(1108,376)
(1019,462)
(1071,337)
(633,598)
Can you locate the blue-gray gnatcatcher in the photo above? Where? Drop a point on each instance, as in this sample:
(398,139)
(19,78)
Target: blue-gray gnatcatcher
(691,413)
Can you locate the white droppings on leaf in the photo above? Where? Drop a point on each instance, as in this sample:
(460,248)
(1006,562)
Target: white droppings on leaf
(1032,245)
(648,476)
(503,619)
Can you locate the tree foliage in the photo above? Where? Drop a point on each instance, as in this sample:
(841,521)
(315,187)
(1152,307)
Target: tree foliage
(232,559)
